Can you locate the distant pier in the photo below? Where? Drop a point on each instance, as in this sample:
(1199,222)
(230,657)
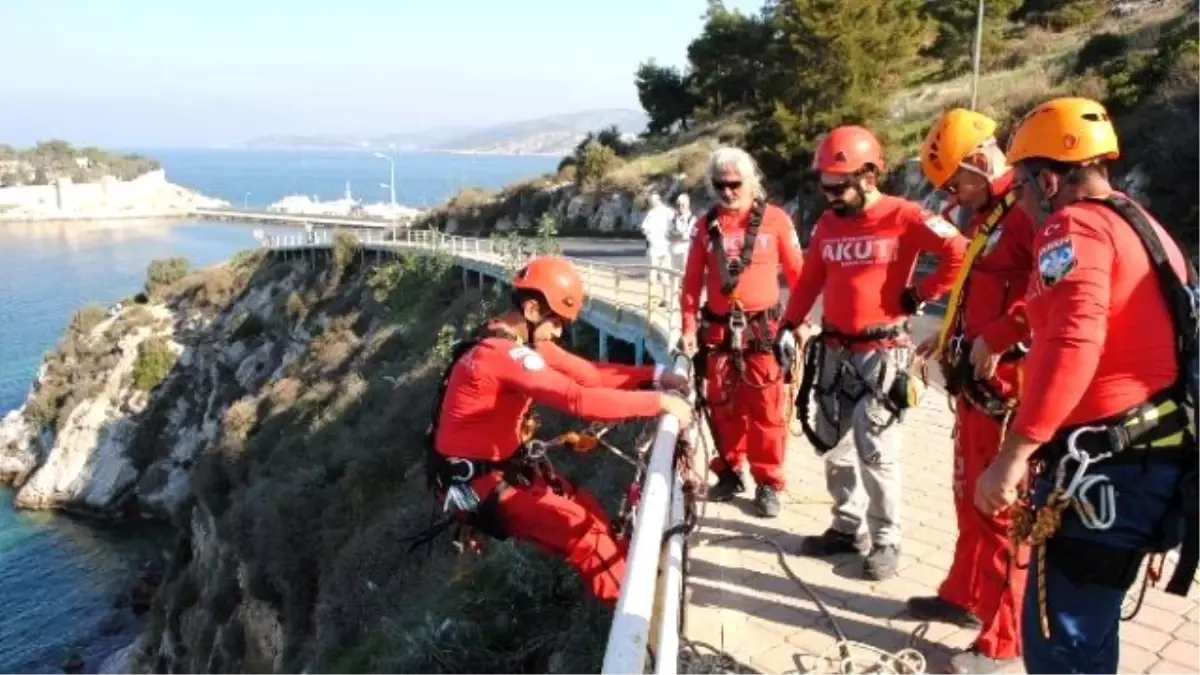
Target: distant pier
(251,216)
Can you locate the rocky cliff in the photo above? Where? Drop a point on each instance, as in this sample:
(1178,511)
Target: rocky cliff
(273,410)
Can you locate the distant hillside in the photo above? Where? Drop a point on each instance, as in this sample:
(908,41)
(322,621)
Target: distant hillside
(555,134)
(551,135)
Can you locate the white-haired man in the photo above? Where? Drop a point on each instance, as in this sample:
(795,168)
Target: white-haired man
(735,258)
(682,227)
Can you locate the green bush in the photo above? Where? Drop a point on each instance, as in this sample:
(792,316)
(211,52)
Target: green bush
(154,362)
(1060,15)
(345,248)
(1098,50)
(596,161)
(86,318)
(165,272)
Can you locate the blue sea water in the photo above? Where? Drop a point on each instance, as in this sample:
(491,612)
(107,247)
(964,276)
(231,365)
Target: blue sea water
(58,576)
(256,178)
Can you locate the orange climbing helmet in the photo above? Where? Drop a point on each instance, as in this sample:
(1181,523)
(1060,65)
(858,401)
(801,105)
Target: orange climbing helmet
(951,139)
(1069,130)
(558,282)
(848,149)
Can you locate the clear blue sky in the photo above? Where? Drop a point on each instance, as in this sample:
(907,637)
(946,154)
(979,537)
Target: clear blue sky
(156,73)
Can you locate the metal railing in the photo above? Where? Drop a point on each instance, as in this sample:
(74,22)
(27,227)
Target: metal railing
(646,595)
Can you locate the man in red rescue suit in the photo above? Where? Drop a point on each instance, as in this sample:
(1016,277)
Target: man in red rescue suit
(980,347)
(484,467)
(861,260)
(1109,379)
(736,254)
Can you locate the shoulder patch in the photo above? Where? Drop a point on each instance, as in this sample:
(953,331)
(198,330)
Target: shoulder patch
(939,225)
(530,360)
(1056,260)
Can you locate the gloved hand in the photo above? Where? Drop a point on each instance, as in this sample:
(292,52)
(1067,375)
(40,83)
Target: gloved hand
(785,352)
(909,302)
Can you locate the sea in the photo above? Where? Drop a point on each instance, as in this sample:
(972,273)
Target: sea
(60,577)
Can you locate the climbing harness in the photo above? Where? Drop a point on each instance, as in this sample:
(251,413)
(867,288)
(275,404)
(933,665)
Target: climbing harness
(849,386)
(952,324)
(1183,302)
(1155,426)
(731,268)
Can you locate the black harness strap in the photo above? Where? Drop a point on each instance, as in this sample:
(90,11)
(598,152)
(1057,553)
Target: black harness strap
(1182,304)
(731,269)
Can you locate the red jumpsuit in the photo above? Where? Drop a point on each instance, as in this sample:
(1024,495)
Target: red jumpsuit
(981,578)
(747,409)
(861,265)
(489,391)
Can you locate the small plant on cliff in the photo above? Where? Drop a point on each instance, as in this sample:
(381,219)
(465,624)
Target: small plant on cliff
(546,242)
(164,272)
(345,247)
(595,161)
(154,362)
(86,318)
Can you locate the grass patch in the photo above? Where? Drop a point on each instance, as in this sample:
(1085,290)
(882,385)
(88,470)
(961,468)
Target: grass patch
(154,362)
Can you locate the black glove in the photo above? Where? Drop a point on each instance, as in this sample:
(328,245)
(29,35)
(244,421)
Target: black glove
(909,302)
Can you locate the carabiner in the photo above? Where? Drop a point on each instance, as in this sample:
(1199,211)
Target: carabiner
(1103,514)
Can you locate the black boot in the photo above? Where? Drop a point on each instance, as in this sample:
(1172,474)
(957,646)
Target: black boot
(766,498)
(933,608)
(882,562)
(832,542)
(729,483)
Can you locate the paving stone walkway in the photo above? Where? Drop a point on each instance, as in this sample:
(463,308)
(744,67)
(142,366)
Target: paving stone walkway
(740,601)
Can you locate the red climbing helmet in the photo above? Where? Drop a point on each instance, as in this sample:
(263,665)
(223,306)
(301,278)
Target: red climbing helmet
(848,149)
(557,281)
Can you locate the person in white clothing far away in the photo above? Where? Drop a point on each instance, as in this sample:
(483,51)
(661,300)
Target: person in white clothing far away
(656,227)
(682,226)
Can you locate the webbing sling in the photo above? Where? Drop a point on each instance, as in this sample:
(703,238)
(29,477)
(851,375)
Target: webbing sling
(958,290)
(731,270)
(1187,337)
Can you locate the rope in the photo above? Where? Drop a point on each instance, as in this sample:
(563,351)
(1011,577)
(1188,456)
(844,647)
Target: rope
(848,656)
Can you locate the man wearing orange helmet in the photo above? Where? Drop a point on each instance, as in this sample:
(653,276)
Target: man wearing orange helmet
(737,253)
(1109,377)
(482,463)
(861,260)
(979,349)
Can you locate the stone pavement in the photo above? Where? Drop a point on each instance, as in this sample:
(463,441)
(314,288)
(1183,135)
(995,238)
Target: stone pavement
(740,601)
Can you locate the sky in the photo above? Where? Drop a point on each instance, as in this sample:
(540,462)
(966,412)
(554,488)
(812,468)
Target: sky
(192,73)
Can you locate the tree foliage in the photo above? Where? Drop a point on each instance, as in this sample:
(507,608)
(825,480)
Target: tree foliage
(834,60)
(52,159)
(955,23)
(730,57)
(666,96)
(1060,14)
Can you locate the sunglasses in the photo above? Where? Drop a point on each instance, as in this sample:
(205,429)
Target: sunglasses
(836,188)
(720,185)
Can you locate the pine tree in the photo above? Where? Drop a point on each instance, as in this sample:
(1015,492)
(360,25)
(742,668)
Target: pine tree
(835,62)
(955,42)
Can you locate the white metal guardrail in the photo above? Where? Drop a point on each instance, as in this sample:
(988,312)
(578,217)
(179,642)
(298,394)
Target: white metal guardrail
(646,595)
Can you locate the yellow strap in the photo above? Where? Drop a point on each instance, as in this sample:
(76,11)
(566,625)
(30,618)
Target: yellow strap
(977,242)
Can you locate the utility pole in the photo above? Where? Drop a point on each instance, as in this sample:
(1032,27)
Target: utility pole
(392,177)
(978,51)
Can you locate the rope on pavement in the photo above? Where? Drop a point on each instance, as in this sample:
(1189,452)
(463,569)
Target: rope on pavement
(844,656)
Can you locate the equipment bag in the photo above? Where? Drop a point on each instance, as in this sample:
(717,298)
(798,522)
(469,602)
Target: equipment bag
(1182,301)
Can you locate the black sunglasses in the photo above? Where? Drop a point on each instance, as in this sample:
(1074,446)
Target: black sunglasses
(836,188)
(720,185)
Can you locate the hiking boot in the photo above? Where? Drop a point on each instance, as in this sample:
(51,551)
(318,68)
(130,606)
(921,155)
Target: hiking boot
(766,498)
(971,661)
(729,483)
(933,608)
(881,562)
(832,542)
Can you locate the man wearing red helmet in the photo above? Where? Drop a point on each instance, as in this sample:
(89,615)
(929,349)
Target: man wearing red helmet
(481,462)
(861,259)
(737,252)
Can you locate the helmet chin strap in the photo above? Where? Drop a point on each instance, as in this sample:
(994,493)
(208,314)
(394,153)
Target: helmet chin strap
(1039,195)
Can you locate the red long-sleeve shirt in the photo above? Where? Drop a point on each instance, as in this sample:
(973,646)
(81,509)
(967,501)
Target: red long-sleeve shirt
(862,264)
(492,386)
(993,307)
(776,246)
(1103,341)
